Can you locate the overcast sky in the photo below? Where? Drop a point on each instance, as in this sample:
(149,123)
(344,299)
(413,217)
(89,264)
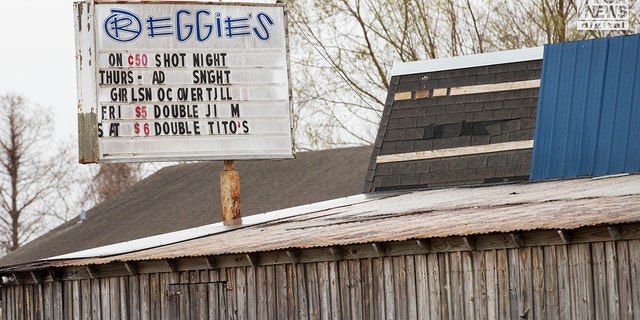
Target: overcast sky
(37,57)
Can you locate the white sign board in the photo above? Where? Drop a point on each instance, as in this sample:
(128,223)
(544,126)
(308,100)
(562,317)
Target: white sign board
(182,81)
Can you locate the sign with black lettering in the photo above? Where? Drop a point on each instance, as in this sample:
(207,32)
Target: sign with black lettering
(182,81)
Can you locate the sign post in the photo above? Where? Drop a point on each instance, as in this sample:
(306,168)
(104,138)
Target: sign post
(230,194)
(182,81)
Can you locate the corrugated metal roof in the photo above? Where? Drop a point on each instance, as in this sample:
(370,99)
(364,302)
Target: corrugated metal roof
(561,204)
(588,119)
(468,61)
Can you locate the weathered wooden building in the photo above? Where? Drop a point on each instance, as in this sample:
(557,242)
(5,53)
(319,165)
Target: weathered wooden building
(449,229)
(545,250)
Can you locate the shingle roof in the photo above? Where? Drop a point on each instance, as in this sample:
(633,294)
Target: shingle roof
(188,195)
(458,121)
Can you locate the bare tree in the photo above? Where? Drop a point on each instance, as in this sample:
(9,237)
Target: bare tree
(111,179)
(31,173)
(343,51)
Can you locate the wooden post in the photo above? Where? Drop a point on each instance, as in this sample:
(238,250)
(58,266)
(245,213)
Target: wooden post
(230,195)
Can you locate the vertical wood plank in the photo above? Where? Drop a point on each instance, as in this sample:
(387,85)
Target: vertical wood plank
(634,269)
(203,294)
(599,279)
(539,301)
(85,299)
(456,276)
(163,295)
(435,296)
(344,283)
(252,292)
(313,291)
(27,296)
(39,314)
(526,275)
(355,288)
(368,295)
(300,286)
(389,294)
(58,308)
(282,292)
(134,294)
(422,287)
(67,299)
(469,284)
(12,312)
(613,288)
(377,270)
(77,299)
(625,280)
(105,299)
(4,303)
(114,297)
(173,298)
(145,312)
(270,276)
(515,284)
(241,292)
(262,289)
(7,303)
(14,307)
(445,284)
(480,284)
(504,292)
(185,296)
(552,309)
(21,306)
(399,277)
(96,303)
(565,303)
(526,279)
(213,295)
(291,287)
(324,290)
(411,292)
(194,298)
(336,297)
(38,302)
(155,296)
(125,297)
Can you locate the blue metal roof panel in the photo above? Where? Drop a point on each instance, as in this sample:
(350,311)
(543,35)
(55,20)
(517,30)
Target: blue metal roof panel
(588,122)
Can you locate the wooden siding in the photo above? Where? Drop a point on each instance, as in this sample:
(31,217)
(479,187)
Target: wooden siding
(597,280)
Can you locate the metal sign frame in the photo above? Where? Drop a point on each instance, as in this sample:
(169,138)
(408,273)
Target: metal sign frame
(175,81)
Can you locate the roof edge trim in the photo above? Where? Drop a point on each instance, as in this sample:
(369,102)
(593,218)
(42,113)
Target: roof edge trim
(468,61)
(197,232)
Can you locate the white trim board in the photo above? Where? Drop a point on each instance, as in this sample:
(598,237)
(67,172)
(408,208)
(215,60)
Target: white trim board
(469,61)
(454,152)
(481,88)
